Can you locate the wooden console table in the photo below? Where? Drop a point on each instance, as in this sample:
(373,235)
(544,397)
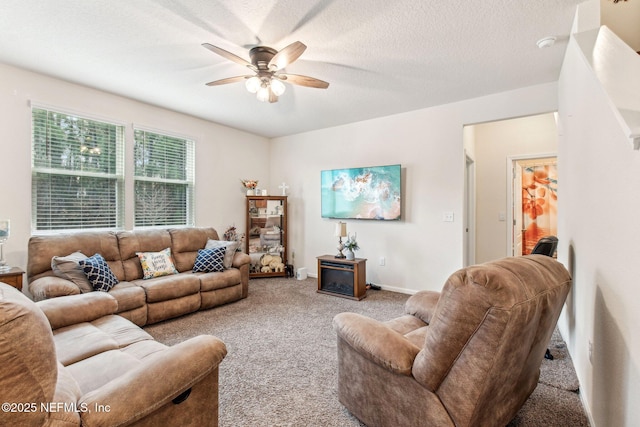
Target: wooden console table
(342,277)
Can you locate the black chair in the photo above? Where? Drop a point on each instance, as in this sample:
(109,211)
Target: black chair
(546,246)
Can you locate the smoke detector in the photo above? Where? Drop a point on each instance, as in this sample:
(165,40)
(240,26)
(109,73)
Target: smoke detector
(546,42)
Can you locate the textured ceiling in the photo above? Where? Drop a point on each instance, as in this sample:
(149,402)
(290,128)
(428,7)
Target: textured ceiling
(381,57)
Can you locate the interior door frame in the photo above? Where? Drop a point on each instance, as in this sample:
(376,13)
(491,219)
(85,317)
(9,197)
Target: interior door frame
(469,222)
(511,161)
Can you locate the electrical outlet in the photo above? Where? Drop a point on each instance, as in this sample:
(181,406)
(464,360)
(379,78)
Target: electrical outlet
(447,217)
(382,261)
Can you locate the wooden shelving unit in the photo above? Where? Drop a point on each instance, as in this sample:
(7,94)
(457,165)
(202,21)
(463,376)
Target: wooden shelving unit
(266,236)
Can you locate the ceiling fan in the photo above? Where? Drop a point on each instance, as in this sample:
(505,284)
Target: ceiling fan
(267,64)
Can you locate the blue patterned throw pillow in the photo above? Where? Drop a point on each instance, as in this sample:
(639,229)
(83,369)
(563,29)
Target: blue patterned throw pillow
(209,260)
(98,273)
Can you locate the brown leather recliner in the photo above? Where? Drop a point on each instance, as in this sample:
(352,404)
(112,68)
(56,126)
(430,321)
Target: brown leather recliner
(70,361)
(467,356)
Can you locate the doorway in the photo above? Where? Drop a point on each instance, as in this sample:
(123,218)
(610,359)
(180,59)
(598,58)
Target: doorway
(489,152)
(469,256)
(533,190)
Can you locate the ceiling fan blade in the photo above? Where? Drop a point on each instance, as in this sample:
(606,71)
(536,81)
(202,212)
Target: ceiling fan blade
(230,56)
(228,80)
(303,80)
(287,55)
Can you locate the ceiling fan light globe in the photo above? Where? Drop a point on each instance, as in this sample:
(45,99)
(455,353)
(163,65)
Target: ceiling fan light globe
(253,84)
(277,87)
(263,94)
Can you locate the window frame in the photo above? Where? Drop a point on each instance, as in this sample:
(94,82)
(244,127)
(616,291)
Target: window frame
(188,182)
(115,177)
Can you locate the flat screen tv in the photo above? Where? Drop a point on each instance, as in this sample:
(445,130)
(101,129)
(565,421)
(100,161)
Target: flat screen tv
(361,193)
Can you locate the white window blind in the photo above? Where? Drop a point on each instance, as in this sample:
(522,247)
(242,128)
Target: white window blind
(77,172)
(164,174)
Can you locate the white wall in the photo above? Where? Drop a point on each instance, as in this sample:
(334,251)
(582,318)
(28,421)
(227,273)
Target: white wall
(223,155)
(599,174)
(494,143)
(421,250)
(623,18)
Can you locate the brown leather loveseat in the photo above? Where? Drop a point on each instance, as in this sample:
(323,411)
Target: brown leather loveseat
(143,301)
(70,361)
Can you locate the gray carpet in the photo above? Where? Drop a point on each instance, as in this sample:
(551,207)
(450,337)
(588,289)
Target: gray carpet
(281,367)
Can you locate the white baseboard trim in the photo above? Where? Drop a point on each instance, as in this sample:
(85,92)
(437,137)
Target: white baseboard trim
(587,409)
(383,287)
(398,290)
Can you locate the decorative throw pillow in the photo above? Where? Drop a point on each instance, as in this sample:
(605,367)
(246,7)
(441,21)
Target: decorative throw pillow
(68,267)
(230,249)
(98,272)
(156,264)
(209,260)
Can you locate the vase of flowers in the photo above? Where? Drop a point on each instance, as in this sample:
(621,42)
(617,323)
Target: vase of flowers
(351,245)
(250,185)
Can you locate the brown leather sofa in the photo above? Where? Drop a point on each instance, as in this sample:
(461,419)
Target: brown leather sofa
(143,301)
(469,355)
(70,361)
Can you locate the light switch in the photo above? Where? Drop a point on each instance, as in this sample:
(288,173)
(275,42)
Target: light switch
(502,216)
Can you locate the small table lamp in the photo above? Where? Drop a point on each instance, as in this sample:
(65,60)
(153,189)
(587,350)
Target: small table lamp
(4,235)
(341,231)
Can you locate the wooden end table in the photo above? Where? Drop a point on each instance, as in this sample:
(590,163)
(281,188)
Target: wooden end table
(12,277)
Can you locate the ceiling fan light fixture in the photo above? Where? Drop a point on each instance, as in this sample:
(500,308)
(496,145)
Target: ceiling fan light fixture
(263,93)
(277,87)
(267,63)
(253,84)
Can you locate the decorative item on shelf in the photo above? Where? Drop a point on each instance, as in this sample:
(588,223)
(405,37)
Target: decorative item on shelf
(271,263)
(250,185)
(4,236)
(265,192)
(341,231)
(284,187)
(351,245)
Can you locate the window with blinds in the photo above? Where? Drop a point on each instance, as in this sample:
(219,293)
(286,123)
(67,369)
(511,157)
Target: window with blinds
(164,173)
(77,172)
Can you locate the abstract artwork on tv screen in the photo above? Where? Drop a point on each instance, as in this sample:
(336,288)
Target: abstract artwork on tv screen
(361,193)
